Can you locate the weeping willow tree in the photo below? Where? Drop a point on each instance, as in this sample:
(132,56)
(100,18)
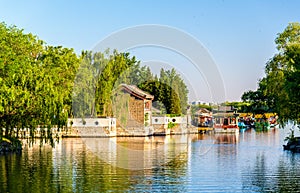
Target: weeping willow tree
(98,76)
(109,77)
(35,82)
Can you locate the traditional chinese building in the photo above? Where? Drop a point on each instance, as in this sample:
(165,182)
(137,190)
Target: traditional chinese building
(138,119)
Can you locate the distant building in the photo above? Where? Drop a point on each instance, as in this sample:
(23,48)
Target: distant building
(225,109)
(200,103)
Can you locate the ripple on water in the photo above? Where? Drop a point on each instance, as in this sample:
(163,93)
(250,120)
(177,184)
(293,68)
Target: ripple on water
(250,162)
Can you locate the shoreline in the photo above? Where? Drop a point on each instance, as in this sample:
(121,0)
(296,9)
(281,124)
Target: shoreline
(12,145)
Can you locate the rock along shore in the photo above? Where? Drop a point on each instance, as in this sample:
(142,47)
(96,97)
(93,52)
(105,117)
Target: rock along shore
(8,146)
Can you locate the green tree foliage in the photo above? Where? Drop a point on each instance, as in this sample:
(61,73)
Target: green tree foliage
(60,64)
(117,64)
(280,89)
(83,98)
(35,81)
(18,74)
(177,92)
(100,74)
(256,102)
(169,90)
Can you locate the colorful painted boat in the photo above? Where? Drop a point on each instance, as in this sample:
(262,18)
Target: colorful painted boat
(226,123)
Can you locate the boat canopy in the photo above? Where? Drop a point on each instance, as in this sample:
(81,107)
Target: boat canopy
(225,115)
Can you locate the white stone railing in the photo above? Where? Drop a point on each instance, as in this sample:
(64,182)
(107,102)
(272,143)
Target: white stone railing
(92,122)
(165,120)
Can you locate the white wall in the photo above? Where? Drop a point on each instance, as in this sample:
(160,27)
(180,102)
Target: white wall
(159,120)
(92,122)
(166,120)
(175,119)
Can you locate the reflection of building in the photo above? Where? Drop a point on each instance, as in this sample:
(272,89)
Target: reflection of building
(226,138)
(138,153)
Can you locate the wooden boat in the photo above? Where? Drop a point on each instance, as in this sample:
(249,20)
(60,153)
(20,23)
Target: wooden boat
(203,120)
(245,123)
(226,123)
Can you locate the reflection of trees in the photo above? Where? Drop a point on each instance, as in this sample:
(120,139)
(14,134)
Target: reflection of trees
(71,167)
(168,167)
(285,179)
(29,172)
(169,176)
(288,175)
(177,166)
(259,180)
(83,171)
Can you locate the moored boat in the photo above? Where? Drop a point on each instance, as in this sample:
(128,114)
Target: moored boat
(203,120)
(242,126)
(273,121)
(226,123)
(241,123)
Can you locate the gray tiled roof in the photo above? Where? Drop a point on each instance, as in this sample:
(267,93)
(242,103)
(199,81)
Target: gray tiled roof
(132,89)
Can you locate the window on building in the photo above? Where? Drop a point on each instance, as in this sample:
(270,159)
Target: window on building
(225,122)
(147,105)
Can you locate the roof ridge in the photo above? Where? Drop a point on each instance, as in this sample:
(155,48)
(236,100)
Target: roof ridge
(135,90)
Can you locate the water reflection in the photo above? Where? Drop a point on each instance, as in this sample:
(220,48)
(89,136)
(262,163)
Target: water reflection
(74,165)
(272,170)
(138,153)
(98,159)
(226,138)
(263,178)
(260,180)
(248,162)
(288,170)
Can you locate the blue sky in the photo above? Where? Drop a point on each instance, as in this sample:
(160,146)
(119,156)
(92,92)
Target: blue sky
(239,35)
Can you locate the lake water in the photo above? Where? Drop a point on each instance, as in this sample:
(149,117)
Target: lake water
(248,162)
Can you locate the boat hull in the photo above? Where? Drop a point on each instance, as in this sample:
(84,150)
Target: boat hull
(205,129)
(226,130)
